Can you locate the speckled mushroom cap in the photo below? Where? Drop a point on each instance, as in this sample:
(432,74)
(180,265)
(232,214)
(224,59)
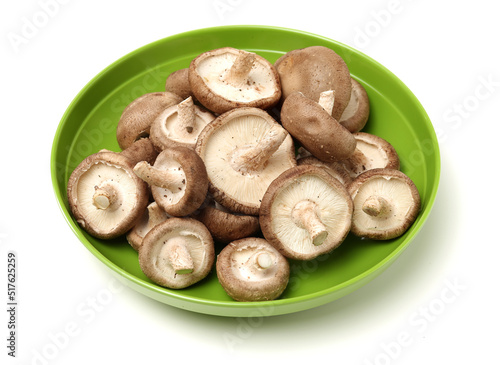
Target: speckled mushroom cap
(226,226)
(136,119)
(386,203)
(320,133)
(305,212)
(140,150)
(105,196)
(178,83)
(336,169)
(357,112)
(371,152)
(244,150)
(313,70)
(177,253)
(178,180)
(226,78)
(250,269)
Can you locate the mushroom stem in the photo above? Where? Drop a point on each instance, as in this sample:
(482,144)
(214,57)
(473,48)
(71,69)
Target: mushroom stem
(305,216)
(186,116)
(238,73)
(264,260)
(179,257)
(161,178)
(326,100)
(259,261)
(253,158)
(376,206)
(104,197)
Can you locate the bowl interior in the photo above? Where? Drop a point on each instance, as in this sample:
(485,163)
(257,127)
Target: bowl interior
(89,124)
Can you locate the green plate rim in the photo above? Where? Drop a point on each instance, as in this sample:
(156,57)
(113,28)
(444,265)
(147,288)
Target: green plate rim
(242,309)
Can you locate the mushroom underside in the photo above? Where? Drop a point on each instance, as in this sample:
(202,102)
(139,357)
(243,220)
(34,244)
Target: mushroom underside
(105,196)
(306,212)
(371,152)
(177,253)
(178,180)
(251,269)
(227,146)
(228,78)
(179,124)
(331,209)
(383,208)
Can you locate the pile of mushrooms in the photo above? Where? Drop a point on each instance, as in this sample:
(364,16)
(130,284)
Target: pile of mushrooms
(260,162)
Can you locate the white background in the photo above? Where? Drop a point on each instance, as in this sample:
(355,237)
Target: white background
(443,51)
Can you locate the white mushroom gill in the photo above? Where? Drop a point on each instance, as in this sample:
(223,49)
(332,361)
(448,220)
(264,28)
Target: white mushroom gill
(260,82)
(104,176)
(352,106)
(253,158)
(331,208)
(254,264)
(375,156)
(327,100)
(179,250)
(395,193)
(250,187)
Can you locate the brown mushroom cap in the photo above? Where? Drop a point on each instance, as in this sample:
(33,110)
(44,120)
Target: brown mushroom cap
(386,203)
(227,78)
(244,150)
(178,83)
(336,169)
(251,269)
(356,113)
(311,71)
(225,226)
(371,152)
(105,196)
(315,129)
(305,212)
(177,253)
(140,150)
(179,125)
(178,180)
(152,216)
(137,117)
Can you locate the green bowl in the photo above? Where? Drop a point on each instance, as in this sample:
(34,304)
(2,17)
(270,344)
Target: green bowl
(89,124)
